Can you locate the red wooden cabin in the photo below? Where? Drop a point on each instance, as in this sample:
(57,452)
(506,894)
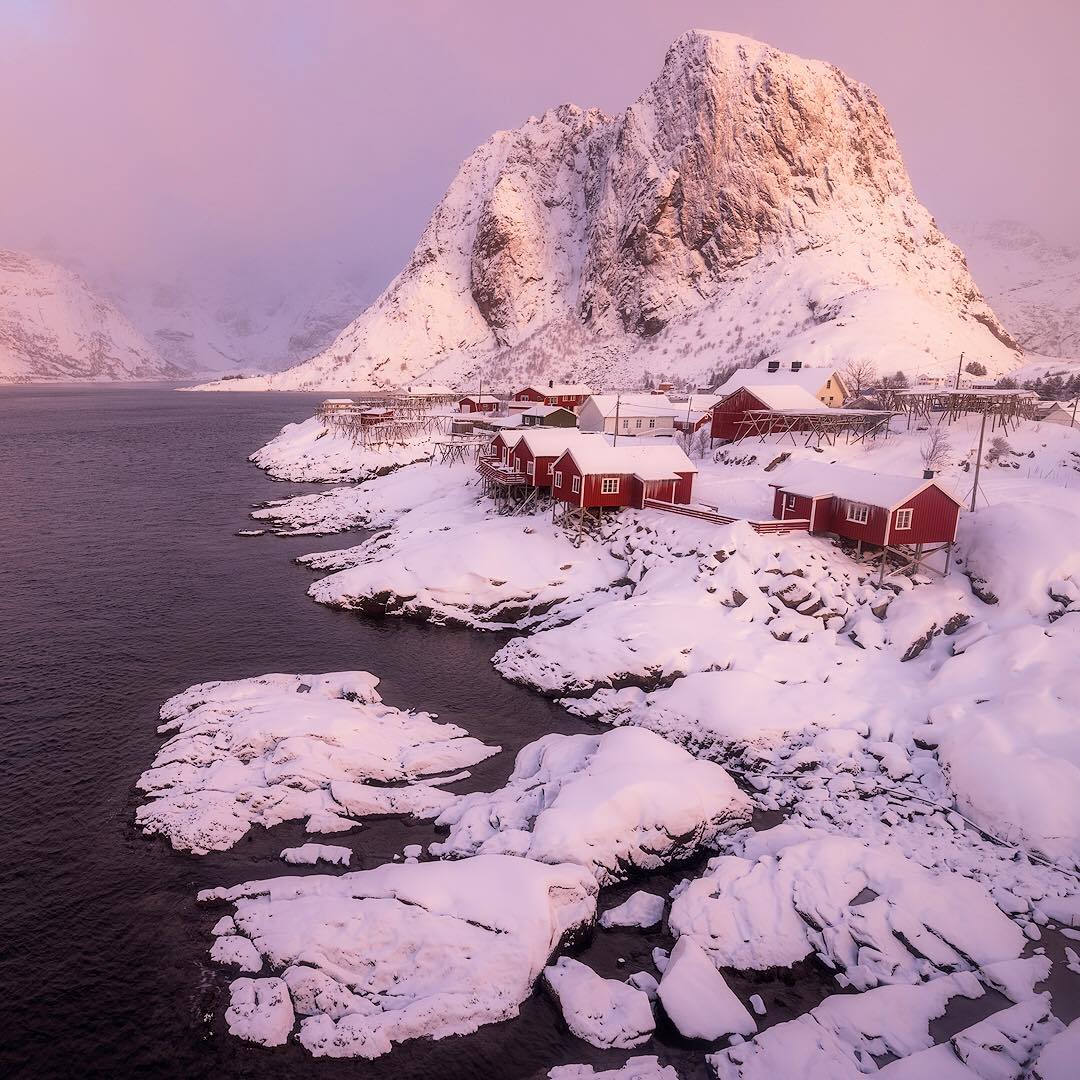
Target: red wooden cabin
(502,446)
(478,403)
(874,508)
(567,395)
(537,450)
(729,414)
(595,475)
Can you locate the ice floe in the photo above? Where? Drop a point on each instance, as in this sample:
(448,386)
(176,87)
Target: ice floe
(310,854)
(616,802)
(279,747)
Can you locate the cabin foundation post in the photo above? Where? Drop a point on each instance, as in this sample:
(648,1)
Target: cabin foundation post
(948,556)
(884,560)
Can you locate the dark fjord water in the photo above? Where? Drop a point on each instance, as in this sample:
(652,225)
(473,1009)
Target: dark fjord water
(122,582)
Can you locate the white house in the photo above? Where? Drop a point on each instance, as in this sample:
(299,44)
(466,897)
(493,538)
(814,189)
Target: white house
(824,383)
(630,414)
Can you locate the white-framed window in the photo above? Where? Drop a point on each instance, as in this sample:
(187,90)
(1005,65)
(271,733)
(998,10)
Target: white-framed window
(558,478)
(652,422)
(828,384)
(575,485)
(858,513)
(903,519)
(637,423)
(626,423)
(530,469)
(550,401)
(790,502)
(609,485)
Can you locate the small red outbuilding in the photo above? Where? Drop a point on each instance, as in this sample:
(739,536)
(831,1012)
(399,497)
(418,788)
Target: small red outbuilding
(597,475)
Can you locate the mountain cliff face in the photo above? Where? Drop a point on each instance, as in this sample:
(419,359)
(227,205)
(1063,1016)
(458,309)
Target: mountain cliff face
(750,203)
(54,328)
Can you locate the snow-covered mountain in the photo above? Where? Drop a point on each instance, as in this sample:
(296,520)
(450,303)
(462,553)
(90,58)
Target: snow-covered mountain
(749,204)
(1034,284)
(225,326)
(53,327)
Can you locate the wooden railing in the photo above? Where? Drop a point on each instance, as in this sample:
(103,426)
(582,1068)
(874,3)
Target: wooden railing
(714,516)
(492,469)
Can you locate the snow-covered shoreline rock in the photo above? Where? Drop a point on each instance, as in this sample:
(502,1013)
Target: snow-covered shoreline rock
(280,747)
(614,803)
(479,932)
(603,1012)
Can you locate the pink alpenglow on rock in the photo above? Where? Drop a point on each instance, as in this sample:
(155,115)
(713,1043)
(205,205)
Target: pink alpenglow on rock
(375,957)
(698,1000)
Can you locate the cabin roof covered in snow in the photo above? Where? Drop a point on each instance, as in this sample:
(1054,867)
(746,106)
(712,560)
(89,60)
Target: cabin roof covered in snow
(783,396)
(635,405)
(548,441)
(546,410)
(811,379)
(654,462)
(480,399)
(559,389)
(814,478)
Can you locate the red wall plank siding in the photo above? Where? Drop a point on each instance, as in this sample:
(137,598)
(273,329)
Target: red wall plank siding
(933,520)
(733,408)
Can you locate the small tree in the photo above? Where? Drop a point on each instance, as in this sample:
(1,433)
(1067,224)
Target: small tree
(975,368)
(899,381)
(936,450)
(858,374)
(999,446)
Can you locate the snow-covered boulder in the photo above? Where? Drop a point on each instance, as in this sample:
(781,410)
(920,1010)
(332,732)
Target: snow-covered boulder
(698,1000)
(603,1012)
(1060,1056)
(642,909)
(616,802)
(269,749)
(868,911)
(839,1039)
(635,1068)
(375,957)
(310,854)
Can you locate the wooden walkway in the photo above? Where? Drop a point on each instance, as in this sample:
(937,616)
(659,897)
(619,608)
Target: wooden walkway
(701,514)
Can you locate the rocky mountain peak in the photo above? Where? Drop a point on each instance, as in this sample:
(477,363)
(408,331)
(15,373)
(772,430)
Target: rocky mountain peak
(747,204)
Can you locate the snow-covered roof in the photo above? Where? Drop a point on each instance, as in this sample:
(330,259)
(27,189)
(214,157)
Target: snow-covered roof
(782,396)
(560,389)
(652,462)
(544,441)
(480,399)
(818,478)
(811,379)
(338,401)
(546,410)
(509,437)
(635,405)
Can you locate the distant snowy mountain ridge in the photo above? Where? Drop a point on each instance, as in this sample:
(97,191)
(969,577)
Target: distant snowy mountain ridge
(54,328)
(1033,284)
(749,204)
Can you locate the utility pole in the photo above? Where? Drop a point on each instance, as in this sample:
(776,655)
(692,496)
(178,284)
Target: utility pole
(618,400)
(978,463)
(1075,403)
(958,367)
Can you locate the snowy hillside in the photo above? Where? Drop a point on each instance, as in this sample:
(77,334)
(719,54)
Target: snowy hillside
(209,327)
(1034,284)
(53,327)
(750,203)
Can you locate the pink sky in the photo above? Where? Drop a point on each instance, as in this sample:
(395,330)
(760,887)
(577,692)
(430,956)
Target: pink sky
(256,135)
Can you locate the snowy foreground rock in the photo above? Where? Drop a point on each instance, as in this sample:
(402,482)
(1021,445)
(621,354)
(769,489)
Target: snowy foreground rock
(375,957)
(626,800)
(604,1012)
(697,999)
(280,747)
(868,912)
(635,1068)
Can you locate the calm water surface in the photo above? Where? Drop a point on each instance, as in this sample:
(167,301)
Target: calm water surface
(122,582)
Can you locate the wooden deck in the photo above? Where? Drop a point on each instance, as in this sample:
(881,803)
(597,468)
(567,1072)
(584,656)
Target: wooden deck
(703,514)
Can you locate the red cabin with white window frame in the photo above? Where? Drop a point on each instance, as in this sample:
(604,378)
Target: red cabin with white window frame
(874,508)
(537,450)
(481,403)
(731,414)
(502,446)
(595,475)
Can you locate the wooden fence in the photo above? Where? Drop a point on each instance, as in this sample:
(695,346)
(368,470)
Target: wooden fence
(786,526)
